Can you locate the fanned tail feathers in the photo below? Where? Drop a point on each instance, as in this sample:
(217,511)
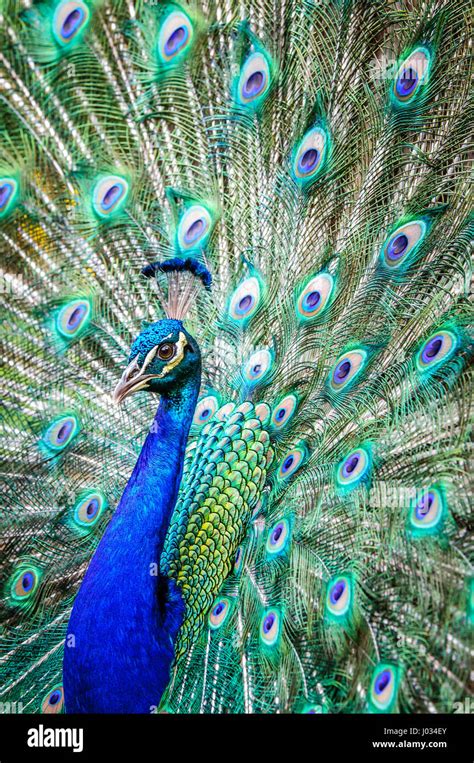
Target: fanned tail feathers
(315,156)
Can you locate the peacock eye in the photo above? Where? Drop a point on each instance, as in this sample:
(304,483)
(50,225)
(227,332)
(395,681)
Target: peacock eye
(53,702)
(70,21)
(175,37)
(411,76)
(166,351)
(384,687)
(9,188)
(310,154)
(254,80)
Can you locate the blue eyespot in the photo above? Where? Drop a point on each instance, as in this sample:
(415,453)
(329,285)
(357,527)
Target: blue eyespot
(315,297)
(70,21)
(205,410)
(411,76)
(254,80)
(53,702)
(9,189)
(219,612)
(24,583)
(61,432)
(284,411)
(406,82)
(427,512)
(6,190)
(73,318)
(437,349)
(403,243)
(354,468)
(291,462)
(258,365)
(245,300)
(384,687)
(109,196)
(238,561)
(278,537)
(339,596)
(270,627)
(347,368)
(194,228)
(309,156)
(175,38)
(89,508)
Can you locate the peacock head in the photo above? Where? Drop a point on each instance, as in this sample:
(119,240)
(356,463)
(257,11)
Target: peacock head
(162,358)
(165,356)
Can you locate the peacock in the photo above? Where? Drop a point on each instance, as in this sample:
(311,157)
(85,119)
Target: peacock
(237,344)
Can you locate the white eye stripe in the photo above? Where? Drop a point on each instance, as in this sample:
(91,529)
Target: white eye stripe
(149,357)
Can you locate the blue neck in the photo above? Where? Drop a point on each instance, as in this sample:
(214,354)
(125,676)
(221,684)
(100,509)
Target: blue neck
(126,616)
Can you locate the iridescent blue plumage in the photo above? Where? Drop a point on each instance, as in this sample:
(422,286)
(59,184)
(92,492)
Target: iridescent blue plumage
(126,615)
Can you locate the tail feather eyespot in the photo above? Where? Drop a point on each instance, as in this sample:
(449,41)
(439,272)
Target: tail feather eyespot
(315,297)
(109,196)
(175,37)
(9,192)
(70,21)
(53,702)
(73,318)
(384,688)
(402,244)
(61,432)
(310,156)
(411,76)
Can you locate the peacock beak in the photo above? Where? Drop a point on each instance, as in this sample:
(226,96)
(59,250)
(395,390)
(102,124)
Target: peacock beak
(134,378)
